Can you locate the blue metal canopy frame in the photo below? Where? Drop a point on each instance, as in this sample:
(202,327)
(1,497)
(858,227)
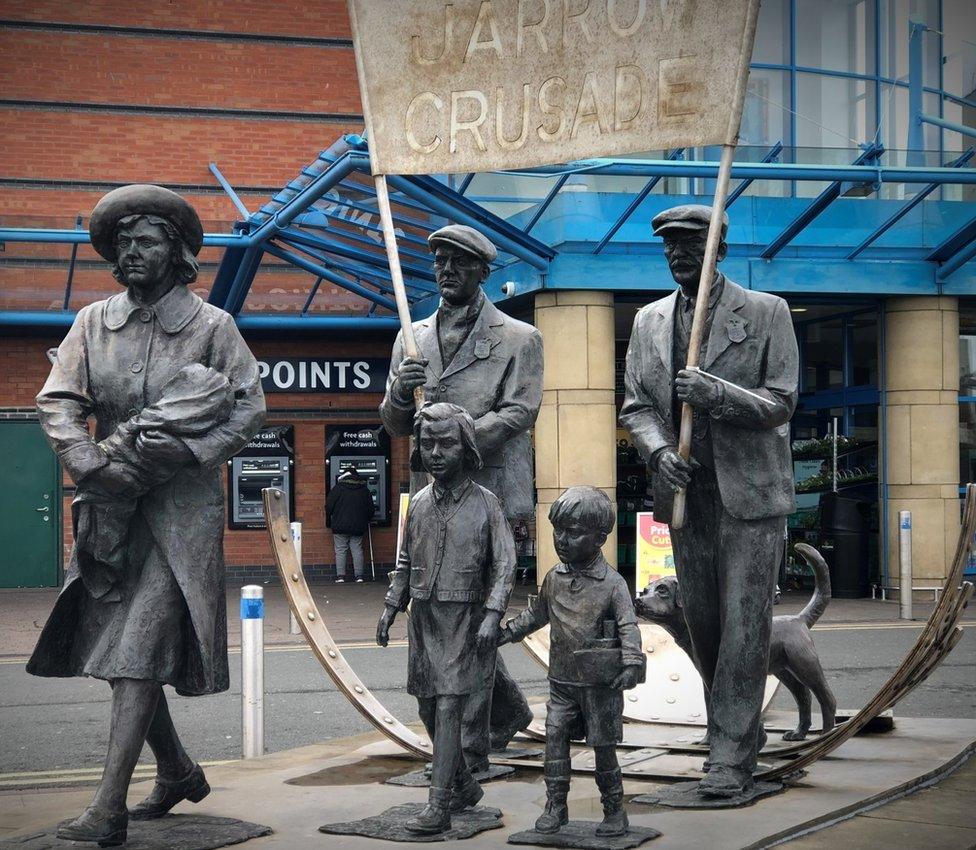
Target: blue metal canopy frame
(325,223)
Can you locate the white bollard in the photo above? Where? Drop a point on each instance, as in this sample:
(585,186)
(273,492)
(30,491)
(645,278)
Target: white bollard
(905,563)
(296,538)
(252,671)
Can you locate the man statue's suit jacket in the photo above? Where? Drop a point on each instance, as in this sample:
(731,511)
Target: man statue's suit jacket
(496,376)
(752,345)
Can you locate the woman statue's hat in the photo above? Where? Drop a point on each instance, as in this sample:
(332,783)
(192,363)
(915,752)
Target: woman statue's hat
(142,199)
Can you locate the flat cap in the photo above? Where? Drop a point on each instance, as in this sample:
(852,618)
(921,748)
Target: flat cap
(686,217)
(142,199)
(466,238)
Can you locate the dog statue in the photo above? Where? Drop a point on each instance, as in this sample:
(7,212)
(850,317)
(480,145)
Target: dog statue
(792,656)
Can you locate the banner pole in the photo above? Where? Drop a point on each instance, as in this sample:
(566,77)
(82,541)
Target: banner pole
(701,314)
(396,274)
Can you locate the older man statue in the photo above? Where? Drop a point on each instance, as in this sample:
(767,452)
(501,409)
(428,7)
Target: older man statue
(739,479)
(473,355)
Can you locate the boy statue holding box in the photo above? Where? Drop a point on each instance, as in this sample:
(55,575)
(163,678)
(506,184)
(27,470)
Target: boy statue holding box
(595,654)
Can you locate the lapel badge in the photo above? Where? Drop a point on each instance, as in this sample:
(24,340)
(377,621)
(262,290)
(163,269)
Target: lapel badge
(482,348)
(736,330)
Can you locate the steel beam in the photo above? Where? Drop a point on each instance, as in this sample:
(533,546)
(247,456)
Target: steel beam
(635,203)
(819,204)
(71,268)
(954,243)
(348,233)
(770,156)
(311,295)
(548,199)
(64,236)
(234,197)
(956,261)
(763,171)
(285,324)
(237,292)
(316,189)
(358,272)
(899,214)
(347,251)
(916,137)
(962,129)
(477,218)
(321,271)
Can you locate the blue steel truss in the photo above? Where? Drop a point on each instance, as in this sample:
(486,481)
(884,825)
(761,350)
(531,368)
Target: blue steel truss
(325,223)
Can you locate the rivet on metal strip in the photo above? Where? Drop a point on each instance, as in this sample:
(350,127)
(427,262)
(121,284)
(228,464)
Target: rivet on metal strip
(358,689)
(675,677)
(294,576)
(277,494)
(310,615)
(332,653)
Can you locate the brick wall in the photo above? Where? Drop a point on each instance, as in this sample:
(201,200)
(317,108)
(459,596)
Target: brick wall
(107,92)
(24,367)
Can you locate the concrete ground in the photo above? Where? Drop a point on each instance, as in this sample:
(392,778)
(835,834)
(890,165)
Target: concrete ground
(54,731)
(296,791)
(352,611)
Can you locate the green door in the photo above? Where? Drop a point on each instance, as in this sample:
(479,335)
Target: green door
(30,508)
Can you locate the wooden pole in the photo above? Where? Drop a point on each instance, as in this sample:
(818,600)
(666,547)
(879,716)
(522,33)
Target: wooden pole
(701,314)
(396,274)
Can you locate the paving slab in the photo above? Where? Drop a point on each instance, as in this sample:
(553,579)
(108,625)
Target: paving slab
(943,806)
(296,791)
(871,834)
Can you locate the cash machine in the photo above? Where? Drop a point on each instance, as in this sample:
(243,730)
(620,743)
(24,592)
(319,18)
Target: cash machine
(268,460)
(365,448)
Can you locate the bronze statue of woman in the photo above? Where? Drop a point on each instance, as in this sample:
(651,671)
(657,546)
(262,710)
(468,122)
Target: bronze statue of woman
(174,392)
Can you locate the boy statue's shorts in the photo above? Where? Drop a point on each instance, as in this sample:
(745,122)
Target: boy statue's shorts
(599,708)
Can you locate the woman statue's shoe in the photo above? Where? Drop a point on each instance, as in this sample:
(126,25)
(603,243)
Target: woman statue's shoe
(107,829)
(168,792)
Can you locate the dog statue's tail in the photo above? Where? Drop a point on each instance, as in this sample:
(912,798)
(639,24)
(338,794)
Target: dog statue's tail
(821,593)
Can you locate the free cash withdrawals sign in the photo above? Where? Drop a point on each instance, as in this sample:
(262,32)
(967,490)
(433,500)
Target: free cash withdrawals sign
(477,85)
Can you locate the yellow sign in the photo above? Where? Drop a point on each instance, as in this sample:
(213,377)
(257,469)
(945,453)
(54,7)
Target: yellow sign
(655,557)
(401,523)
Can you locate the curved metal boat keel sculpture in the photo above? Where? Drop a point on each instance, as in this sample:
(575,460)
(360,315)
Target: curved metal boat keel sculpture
(939,636)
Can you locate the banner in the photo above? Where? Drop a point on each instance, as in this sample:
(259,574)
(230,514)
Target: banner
(454,86)
(655,557)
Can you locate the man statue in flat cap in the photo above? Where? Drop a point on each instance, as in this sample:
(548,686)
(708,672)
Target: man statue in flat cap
(473,355)
(739,479)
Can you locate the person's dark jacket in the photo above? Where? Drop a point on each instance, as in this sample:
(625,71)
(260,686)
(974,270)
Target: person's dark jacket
(349,508)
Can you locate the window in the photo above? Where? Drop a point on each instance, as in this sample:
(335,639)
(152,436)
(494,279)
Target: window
(836,34)
(823,356)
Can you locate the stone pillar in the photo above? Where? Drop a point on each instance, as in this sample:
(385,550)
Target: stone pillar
(922,431)
(575,434)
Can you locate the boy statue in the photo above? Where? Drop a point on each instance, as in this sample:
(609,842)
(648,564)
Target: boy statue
(595,654)
(458,566)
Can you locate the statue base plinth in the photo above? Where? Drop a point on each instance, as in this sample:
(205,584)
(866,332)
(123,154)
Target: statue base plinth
(170,832)
(388,825)
(685,795)
(581,834)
